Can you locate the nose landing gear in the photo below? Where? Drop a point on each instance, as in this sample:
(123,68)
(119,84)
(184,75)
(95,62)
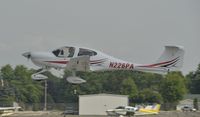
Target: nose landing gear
(39,76)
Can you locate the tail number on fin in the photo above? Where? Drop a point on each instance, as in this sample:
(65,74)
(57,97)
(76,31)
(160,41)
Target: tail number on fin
(121,65)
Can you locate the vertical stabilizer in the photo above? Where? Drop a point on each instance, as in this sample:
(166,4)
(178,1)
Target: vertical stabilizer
(170,60)
(172,57)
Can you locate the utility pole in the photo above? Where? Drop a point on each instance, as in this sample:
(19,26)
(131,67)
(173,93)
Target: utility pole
(2,83)
(43,78)
(45,95)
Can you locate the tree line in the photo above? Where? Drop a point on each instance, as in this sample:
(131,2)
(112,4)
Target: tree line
(141,87)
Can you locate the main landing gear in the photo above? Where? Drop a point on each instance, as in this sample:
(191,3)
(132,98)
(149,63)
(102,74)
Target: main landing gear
(71,79)
(74,79)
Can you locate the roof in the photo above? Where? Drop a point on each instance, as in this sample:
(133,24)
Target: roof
(186,101)
(192,96)
(104,94)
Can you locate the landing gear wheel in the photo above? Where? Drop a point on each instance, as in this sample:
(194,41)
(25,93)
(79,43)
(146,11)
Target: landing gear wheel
(75,80)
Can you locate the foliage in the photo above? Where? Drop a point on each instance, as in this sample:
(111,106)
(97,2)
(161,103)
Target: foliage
(193,79)
(173,88)
(195,103)
(7,72)
(148,96)
(128,87)
(141,87)
(19,82)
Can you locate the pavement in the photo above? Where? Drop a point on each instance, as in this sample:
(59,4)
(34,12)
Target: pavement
(59,114)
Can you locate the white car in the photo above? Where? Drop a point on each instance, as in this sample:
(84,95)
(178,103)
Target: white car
(188,108)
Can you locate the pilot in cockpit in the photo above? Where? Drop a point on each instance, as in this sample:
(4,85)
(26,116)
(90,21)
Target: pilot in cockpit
(64,52)
(71,52)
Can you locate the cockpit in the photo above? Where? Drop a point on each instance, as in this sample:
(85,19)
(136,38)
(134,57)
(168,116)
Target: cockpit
(64,52)
(69,52)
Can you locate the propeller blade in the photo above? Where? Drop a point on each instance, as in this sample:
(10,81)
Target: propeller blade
(27,55)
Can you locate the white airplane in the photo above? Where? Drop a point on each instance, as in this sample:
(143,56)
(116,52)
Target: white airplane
(122,111)
(6,111)
(85,59)
(138,110)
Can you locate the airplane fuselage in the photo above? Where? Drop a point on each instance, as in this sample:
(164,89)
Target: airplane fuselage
(98,62)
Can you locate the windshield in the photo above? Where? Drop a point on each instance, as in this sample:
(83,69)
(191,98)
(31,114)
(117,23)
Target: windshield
(64,52)
(120,107)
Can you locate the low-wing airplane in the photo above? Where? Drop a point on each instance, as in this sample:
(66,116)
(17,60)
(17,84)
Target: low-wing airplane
(85,59)
(122,111)
(137,110)
(148,110)
(5,111)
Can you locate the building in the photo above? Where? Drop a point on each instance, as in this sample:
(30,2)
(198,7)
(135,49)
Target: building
(97,104)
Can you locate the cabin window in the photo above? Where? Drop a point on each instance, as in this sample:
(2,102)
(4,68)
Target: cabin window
(61,52)
(120,107)
(83,52)
(64,52)
(56,52)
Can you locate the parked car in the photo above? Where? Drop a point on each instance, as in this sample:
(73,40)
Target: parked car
(188,108)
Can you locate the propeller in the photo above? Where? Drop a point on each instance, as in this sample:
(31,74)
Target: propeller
(27,55)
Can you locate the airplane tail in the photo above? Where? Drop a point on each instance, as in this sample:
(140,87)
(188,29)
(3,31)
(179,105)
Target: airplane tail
(170,60)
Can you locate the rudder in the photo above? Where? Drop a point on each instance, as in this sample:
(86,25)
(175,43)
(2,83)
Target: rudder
(172,58)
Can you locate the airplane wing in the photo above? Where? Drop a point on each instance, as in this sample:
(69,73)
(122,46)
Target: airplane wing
(6,111)
(9,108)
(148,110)
(80,63)
(6,108)
(145,113)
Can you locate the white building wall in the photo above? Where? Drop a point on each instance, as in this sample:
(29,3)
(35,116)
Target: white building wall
(98,104)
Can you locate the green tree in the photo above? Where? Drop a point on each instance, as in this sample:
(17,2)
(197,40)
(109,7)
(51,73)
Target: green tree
(6,96)
(19,82)
(148,96)
(128,87)
(26,89)
(173,88)
(7,72)
(193,79)
(147,80)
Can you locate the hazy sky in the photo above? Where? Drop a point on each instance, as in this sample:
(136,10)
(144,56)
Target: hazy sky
(131,30)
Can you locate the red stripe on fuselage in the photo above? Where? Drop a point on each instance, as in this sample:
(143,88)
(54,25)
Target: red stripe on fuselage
(98,60)
(157,64)
(65,62)
(58,62)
